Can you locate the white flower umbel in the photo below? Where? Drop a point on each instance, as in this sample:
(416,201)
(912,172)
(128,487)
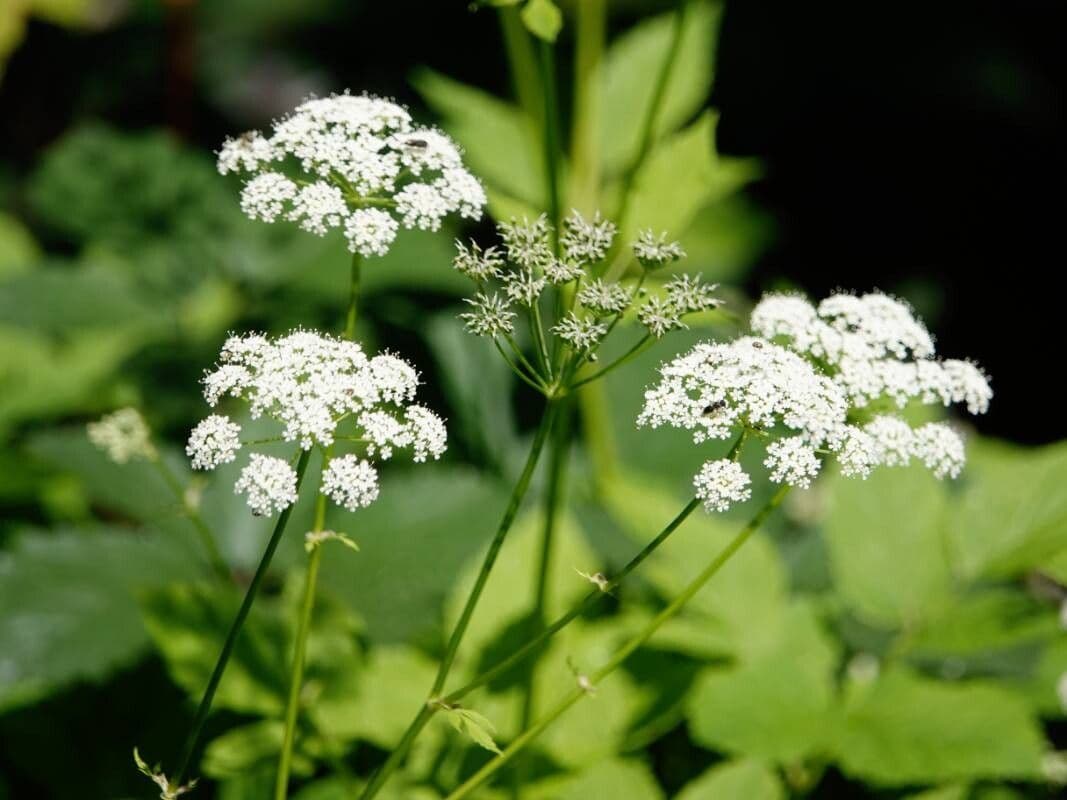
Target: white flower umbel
(270,484)
(320,390)
(809,385)
(656,251)
(215,440)
(351,482)
(355,162)
(721,483)
(123,435)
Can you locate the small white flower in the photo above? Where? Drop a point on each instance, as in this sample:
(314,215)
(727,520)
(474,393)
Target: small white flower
(604,298)
(491,316)
(940,448)
(421,206)
(585,241)
(560,271)
(792,460)
(123,435)
(659,317)
(722,483)
(523,287)
(267,195)
(654,251)
(527,242)
(370,232)
(477,264)
(429,437)
(270,484)
(894,438)
(858,452)
(246,153)
(318,207)
(350,482)
(581,333)
(688,293)
(968,385)
(215,440)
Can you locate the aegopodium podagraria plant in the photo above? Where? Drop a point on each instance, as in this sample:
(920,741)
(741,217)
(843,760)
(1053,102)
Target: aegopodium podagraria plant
(356,163)
(550,285)
(814,384)
(323,393)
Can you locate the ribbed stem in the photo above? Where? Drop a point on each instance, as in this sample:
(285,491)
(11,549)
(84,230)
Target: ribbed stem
(624,652)
(231,638)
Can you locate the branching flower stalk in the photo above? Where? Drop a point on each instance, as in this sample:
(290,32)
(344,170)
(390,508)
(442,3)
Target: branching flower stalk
(526,270)
(810,392)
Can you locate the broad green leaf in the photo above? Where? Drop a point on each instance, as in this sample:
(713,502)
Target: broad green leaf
(779,705)
(632,67)
(1012,515)
(189,624)
(376,702)
(542,18)
(904,729)
(69,604)
(744,779)
(608,779)
(886,546)
(414,541)
(682,175)
(1041,685)
(742,605)
(500,144)
(18,250)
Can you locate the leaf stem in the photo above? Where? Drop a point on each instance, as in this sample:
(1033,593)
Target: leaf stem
(296,674)
(624,652)
(231,637)
(642,344)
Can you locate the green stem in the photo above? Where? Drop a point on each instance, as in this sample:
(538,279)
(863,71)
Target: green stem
(231,638)
(585,131)
(557,467)
(296,675)
(642,344)
(624,652)
(648,128)
(539,338)
(207,538)
(353,297)
(425,712)
(522,63)
(534,383)
(550,139)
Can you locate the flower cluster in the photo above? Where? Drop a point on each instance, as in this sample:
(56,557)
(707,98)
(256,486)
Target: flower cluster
(321,390)
(123,435)
(354,162)
(813,382)
(513,279)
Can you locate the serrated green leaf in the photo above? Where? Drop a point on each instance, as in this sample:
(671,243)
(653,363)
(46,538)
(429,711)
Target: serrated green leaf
(631,68)
(744,779)
(886,548)
(778,705)
(474,726)
(69,605)
(905,730)
(542,18)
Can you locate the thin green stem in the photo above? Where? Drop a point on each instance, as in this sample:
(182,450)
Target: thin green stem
(550,139)
(642,344)
(539,338)
(296,674)
(534,383)
(648,128)
(589,26)
(207,538)
(398,754)
(353,297)
(231,637)
(557,467)
(522,359)
(624,652)
(522,63)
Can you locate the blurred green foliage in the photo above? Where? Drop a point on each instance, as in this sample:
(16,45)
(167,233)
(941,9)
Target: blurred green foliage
(894,637)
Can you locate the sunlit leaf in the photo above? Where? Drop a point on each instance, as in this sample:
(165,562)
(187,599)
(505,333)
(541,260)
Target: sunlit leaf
(746,779)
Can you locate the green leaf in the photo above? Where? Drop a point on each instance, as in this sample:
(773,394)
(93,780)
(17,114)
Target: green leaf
(69,605)
(744,779)
(904,729)
(421,528)
(189,624)
(1012,516)
(778,705)
(542,18)
(607,779)
(632,67)
(18,250)
(681,176)
(500,145)
(474,726)
(941,793)
(885,542)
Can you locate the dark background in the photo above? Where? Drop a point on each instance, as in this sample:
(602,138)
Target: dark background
(908,145)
